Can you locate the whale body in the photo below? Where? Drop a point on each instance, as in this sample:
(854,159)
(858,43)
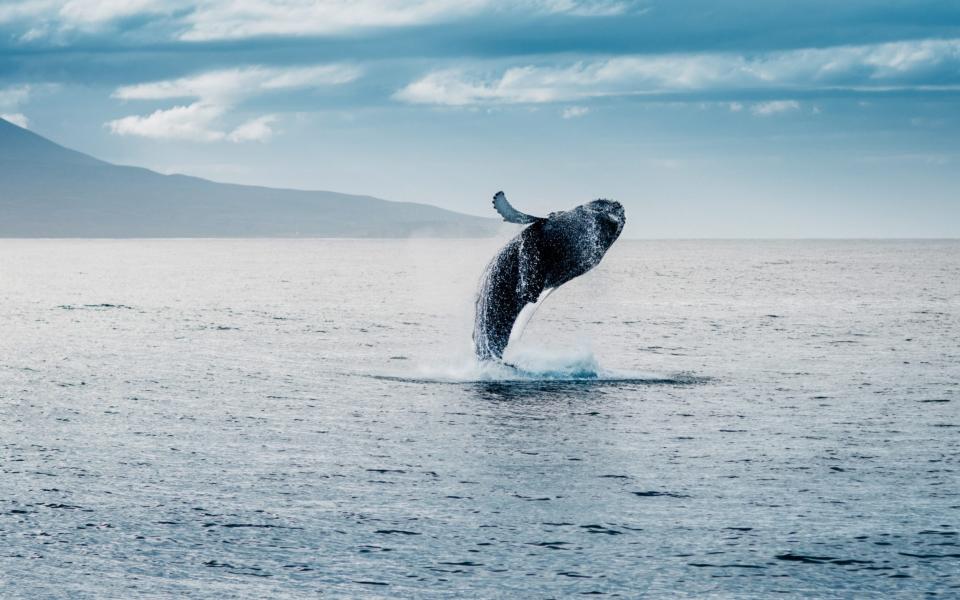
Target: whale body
(549,252)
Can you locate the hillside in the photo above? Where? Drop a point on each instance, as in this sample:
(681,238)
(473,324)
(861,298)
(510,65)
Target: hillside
(47,190)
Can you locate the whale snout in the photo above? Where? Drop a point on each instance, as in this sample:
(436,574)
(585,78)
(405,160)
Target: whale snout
(617,209)
(615,214)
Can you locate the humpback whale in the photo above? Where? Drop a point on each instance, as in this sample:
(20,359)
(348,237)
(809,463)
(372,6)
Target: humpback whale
(548,253)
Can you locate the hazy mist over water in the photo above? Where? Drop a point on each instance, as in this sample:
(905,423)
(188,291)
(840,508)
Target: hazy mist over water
(293,418)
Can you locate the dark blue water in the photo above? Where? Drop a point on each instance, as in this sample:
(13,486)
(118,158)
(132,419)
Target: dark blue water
(255,419)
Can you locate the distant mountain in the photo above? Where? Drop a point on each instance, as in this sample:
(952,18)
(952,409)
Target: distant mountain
(47,190)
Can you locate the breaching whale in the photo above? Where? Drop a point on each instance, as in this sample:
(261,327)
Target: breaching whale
(550,252)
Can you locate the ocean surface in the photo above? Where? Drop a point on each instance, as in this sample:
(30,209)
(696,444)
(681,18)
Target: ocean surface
(302,418)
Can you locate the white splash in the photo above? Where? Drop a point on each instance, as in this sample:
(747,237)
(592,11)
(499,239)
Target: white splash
(527,364)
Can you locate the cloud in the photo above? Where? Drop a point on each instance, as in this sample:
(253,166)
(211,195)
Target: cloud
(100,11)
(216,92)
(194,122)
(231,84)
(877,67)
(53,19)
(15,95)
(24,9)
(587,8)
(237,19)
(765,109)
(17,119)
(208,20)
(218,20)
(254,130)
(11,99)
(572,112)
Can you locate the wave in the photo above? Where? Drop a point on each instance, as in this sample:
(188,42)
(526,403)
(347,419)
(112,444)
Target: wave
(528,365)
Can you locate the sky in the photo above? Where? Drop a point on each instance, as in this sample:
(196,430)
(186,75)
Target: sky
(744,118)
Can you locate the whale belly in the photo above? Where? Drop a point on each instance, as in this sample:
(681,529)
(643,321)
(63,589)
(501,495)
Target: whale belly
(513,279)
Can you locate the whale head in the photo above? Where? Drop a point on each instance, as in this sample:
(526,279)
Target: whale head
(609,219)
(575,240)
(593,227)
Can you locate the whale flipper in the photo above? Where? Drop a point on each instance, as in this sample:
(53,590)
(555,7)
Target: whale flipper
(509,213)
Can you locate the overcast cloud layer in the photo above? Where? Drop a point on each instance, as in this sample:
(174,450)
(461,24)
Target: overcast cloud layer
(801,117)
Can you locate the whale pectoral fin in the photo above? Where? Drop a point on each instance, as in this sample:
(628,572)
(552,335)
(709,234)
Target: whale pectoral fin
(526,315)
(509,213)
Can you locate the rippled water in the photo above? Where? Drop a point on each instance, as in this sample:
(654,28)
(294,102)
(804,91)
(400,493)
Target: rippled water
(302,417)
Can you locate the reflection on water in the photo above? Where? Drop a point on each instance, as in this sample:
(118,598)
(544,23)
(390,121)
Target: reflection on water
(537,391)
